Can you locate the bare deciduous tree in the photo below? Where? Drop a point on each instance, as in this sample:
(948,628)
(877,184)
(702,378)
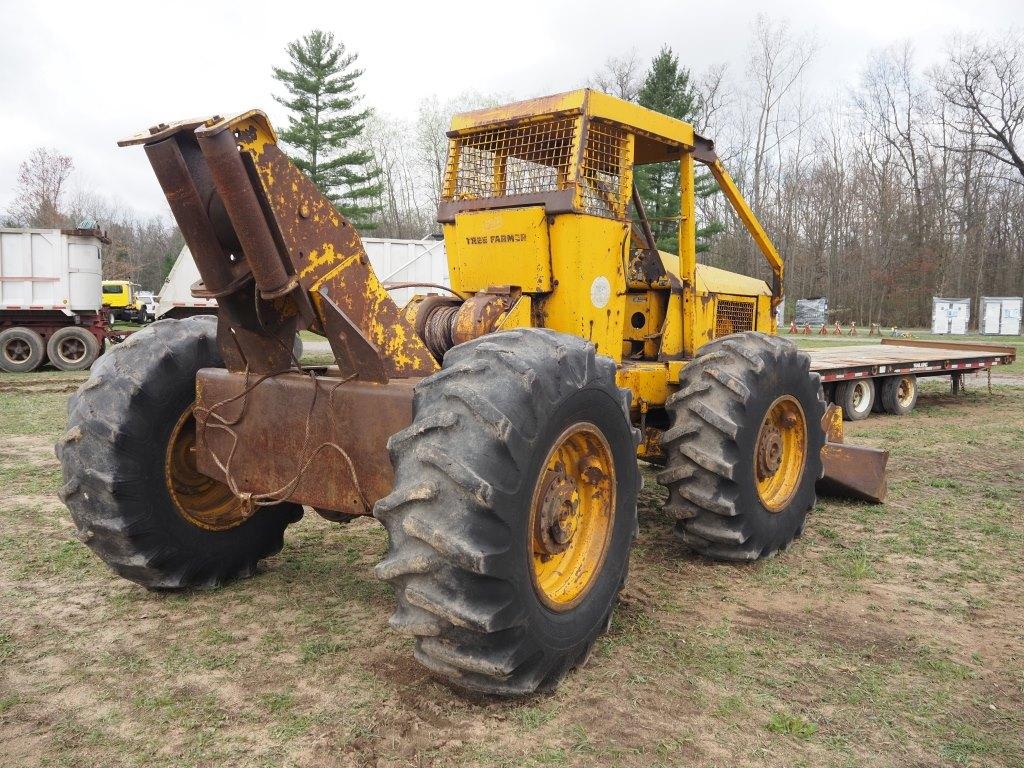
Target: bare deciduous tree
(983,80)
(621,76)
(42,179)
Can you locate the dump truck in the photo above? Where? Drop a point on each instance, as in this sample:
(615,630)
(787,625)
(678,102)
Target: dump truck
(50,300)
(495,430)
(122,301)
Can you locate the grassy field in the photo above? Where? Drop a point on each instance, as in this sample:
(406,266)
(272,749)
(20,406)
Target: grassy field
(887,636)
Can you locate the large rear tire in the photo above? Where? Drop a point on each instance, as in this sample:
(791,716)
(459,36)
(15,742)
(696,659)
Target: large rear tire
(129,475)
(513,511)
(743,451)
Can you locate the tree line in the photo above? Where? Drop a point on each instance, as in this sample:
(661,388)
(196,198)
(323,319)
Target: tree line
(906,185)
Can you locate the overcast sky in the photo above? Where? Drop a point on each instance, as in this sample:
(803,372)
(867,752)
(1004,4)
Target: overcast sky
(80,74)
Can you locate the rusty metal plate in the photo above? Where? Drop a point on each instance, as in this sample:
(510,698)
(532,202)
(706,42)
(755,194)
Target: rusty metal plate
(853,471)
(329,261)
(337,429)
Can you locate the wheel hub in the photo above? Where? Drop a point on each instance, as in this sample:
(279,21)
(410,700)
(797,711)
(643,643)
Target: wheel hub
(769,451)
(571,516)
(780,453)
(559,511)
(72,350)
(17,351)
(201,500)
(905,392)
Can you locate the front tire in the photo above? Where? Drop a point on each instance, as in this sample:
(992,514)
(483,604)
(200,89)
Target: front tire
(513,511)
(744,447)
(129,477)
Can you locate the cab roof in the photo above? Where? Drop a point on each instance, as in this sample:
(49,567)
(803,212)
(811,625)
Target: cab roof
(658,137)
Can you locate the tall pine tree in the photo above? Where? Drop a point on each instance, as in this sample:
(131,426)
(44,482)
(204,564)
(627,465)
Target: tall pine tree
(668,89)
(324,124)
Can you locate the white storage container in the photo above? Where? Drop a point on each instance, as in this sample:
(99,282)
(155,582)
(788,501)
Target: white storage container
(1001,315)
(50,269)
(950,315)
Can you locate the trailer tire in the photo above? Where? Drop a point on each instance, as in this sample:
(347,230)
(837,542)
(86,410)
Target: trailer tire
(115,457)
(856,398)
(72,348)
(473,481)
(899,394)
(876,404)
(21,350)
(743,451)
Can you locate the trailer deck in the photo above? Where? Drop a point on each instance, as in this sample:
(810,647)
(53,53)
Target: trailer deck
(900,357)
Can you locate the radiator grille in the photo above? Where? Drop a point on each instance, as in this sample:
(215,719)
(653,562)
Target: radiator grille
(514,160)
(602,173)
(733,317)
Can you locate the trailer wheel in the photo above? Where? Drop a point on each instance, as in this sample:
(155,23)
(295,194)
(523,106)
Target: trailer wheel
(743,451)
(856,398)
(21,350)
(899,394)
(513,511)
(130,479)
(72,348)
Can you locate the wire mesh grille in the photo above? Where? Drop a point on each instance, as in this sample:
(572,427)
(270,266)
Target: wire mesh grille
(733,317)
(602,172)
(512,160)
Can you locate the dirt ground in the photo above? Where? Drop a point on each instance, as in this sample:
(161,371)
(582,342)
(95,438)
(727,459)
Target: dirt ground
(887,636)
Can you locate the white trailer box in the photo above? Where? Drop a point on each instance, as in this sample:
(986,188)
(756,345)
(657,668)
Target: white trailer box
(1001,315)
(950,315)
(175,298)
(394,261)
(407,261)
(50,269)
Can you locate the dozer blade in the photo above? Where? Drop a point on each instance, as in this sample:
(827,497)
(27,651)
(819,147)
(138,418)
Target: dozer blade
(851,471)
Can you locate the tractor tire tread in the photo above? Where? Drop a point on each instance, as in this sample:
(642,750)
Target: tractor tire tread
(107,489)
(701,443)
(449,547)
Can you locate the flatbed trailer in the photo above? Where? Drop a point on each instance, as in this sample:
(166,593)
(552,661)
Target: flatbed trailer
(883,378)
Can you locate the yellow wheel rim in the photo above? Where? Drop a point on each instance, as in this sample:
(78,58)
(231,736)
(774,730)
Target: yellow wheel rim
(780,453)
(201,500)
(905,393)
(571,515)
